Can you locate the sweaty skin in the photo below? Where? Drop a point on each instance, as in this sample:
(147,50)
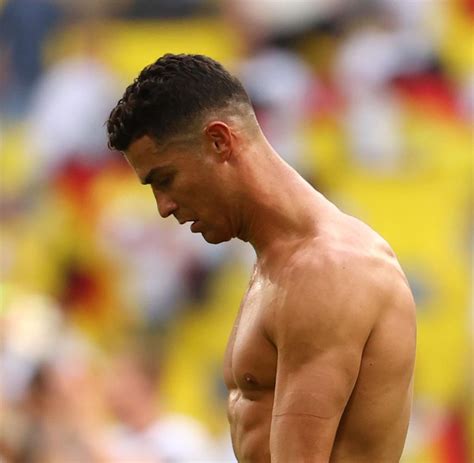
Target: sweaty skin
(322,351)
(319,364)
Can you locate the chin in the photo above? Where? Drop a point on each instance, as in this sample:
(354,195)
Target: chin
(215,238)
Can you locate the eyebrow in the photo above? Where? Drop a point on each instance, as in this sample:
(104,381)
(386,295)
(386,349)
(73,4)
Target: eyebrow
(153,172)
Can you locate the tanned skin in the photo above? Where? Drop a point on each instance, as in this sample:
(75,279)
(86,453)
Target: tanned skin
(319,363)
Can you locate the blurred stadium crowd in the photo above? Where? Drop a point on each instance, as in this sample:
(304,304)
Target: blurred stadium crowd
(113,322)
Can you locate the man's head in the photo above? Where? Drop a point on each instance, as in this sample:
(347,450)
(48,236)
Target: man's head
(178,125)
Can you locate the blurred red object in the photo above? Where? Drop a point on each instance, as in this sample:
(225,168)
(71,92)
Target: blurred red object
(432,91)
(453,442)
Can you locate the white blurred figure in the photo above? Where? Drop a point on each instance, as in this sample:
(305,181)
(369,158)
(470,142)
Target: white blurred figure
(143,432)
(69,107)
(366,61)
(373,127)
(49,391)
(388,45)
(154,257)
(30,326)
(374,53)
(280,85)
(409,15)
(257,21)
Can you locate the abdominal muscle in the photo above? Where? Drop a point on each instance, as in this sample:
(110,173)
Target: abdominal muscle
(249,414)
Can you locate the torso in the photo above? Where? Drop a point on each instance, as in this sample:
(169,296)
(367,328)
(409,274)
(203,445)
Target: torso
(374,423)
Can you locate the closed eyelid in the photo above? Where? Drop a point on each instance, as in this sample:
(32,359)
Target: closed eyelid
(163,181)
(153,176)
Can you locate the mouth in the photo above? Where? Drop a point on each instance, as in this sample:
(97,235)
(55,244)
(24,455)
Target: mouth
(182,222)
(194,224)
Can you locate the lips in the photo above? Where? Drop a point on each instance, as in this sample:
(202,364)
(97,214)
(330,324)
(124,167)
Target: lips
(194,225)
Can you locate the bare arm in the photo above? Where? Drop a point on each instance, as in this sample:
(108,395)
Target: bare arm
(319,352)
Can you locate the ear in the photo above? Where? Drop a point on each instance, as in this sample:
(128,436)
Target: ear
(219,136)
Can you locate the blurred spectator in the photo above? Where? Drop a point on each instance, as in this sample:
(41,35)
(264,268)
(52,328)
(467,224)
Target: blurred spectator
(52,397)
(29,328)
(373,125)
(24,25)
(62,423)
(162,266)
(280,85)
(144,432)
(259,22)
(69,107)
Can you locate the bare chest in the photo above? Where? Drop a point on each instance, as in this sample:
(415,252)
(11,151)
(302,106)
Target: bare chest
(250,359)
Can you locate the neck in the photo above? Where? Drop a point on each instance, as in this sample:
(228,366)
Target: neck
(278,204)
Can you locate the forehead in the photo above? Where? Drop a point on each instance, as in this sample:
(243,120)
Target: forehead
(142,150)
(144,154)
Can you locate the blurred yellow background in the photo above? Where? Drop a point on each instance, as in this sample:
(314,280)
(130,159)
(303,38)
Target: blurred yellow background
(373,103)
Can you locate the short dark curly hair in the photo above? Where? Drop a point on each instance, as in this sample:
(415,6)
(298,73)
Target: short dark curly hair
(169,95)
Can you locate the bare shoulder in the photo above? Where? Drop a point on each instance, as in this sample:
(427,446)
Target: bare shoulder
(344,282)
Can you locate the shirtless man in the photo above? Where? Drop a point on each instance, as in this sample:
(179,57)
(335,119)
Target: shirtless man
(319,364)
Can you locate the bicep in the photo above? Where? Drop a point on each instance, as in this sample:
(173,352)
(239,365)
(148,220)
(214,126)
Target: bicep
(325,380)
(320,332)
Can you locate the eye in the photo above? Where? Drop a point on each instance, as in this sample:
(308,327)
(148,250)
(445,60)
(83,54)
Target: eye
(164,181)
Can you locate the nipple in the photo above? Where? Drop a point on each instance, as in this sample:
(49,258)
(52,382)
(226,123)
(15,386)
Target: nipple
(250,379)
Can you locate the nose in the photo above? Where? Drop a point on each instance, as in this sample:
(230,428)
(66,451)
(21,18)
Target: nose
(166,206)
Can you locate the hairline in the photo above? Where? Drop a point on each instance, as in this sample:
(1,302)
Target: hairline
(232,113)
